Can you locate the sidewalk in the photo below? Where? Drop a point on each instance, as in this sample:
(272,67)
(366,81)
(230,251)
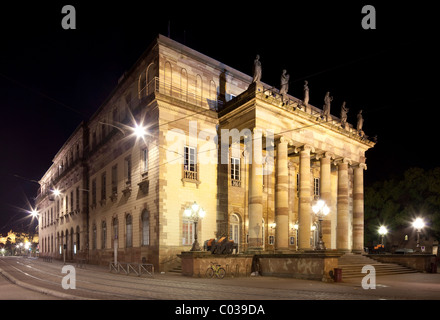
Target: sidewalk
(97,282)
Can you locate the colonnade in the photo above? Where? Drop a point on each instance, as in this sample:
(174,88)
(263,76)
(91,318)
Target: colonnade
(305,200)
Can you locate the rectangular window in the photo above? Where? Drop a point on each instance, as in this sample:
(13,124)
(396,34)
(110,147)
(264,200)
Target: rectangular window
(145,160)
(77,198)
(316,187)
(94,192)
(103,186)
(190,159)
(115,179)
(187,232)
(71,200)
(190,164)
(235,171)
(127,170)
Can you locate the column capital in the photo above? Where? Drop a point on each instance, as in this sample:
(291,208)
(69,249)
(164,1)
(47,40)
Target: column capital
(325,154)
(342,161)
(305,147)
(360,166)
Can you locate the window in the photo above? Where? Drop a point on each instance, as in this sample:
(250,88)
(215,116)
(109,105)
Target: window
(94,192)
(127,170)
(103,184)
(115,179)
(128,231)
(190,164)
(144,160)
(71,201)
(235,172)
(190,159)
(115,228)
(145,228)
(103,130)
(77,199)
(187,232)
(104,234)
(316,187)
(94,237)
(234,228)
(77,239)
(94,140)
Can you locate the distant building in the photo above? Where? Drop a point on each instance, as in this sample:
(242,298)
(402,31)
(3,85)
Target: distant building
(119,193)
(12,236)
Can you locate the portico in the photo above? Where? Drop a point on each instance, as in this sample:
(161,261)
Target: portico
(299,157)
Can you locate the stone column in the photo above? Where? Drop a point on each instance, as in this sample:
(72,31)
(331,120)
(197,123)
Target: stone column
(305,206)
(325,190)
(342,207)
(256,192)
(358,207)
(282,198)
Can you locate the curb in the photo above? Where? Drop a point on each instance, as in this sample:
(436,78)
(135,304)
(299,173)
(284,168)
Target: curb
(50,292)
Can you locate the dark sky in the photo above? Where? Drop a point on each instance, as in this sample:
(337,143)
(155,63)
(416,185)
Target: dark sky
(51,79)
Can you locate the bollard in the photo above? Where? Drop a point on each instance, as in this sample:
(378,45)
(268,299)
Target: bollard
(337,275)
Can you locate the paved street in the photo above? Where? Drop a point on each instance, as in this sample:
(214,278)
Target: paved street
(94,282)
(10,291)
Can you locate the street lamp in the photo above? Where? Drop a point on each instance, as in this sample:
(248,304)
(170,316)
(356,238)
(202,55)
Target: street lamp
(382,232)
(320,209)
(195,212)
(34,213)
(418,224)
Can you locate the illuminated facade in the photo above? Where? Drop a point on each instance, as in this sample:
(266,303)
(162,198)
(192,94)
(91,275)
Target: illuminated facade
(127,192)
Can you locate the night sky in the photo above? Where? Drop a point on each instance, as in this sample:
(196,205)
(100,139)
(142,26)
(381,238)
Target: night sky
(51,79)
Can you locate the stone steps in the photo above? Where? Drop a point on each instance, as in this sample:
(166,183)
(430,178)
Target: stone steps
(352,264)
(176,269)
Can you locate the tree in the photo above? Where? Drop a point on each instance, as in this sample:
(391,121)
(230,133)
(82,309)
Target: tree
(396,202)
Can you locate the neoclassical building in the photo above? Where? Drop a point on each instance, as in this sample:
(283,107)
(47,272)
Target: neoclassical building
(181,127)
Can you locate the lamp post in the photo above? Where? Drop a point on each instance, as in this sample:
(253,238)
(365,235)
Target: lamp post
(418,224)
(320,209)
(195,212)
(382,232)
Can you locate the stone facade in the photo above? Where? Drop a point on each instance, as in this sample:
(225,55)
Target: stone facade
(129,194)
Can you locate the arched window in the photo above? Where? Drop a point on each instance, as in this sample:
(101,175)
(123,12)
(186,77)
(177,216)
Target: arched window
(184,85)
(188,228)
(167,86)
(145,228)
(103,234)
(115,228)
(151,73)
(77,239)
(94,237)
(128,231)
(198,90)
(142,85)
(212,95)
(234,228)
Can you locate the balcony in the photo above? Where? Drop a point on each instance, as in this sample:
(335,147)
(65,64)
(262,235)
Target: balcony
(191,176)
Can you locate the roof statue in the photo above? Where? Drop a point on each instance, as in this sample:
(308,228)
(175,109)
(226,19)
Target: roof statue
(257,69)
(306,93)
(284,85)
(326,107)
(344,111)
(360,123)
